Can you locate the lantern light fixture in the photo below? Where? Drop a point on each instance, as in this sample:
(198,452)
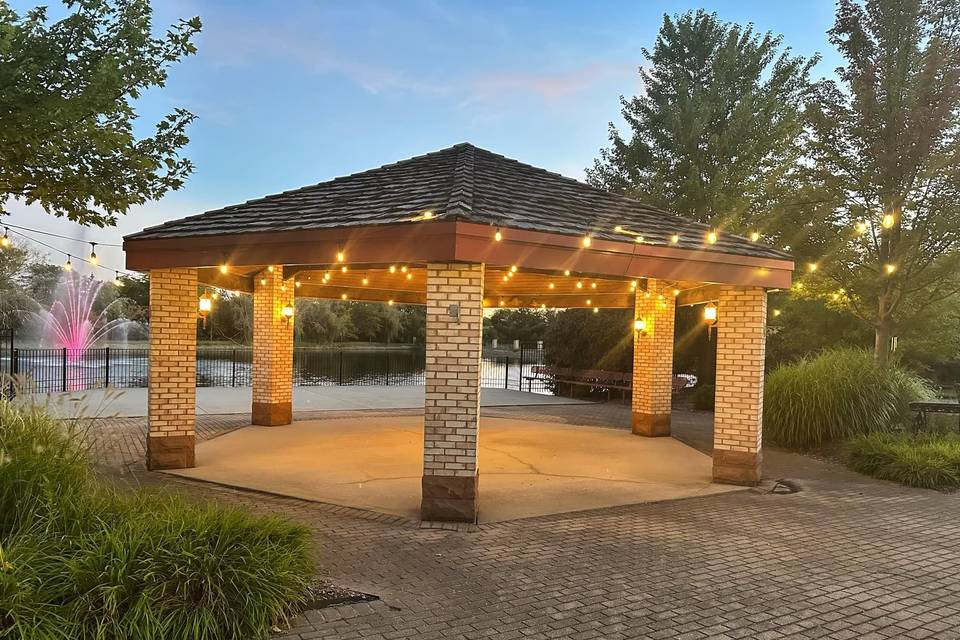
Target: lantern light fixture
(204,307)
(263,282)
(640,326)
(710,317)
(287,312)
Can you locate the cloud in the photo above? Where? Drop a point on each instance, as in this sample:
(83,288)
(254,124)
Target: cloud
(497,86)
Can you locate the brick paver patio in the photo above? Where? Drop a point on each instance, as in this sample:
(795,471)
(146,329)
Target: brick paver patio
(847,557)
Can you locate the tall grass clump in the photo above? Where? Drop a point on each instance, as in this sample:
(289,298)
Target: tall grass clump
(834,395)
(927,460)
(79,559)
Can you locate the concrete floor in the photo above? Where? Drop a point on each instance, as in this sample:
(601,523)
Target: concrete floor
(128,403)
(527,468)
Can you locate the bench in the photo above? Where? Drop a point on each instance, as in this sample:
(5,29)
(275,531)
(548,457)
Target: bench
(924,407)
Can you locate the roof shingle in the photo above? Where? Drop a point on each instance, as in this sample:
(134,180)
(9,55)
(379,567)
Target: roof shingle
(461,182)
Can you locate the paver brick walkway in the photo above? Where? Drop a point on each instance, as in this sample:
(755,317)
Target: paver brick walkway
(848,557)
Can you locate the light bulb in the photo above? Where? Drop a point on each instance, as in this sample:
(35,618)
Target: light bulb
(596,310)
(223,268)
(567,272)
(117,282)
(498,236)
(390,302)
(675,238)
(889,268)
(587,241)
(93,254)
(860,227)
(813,266)
(888,220)
(579,285)
(393,269)
(68,266)
(366,281)
(341,256)
(754,236)
(5,240)
(712,237)
(551,285)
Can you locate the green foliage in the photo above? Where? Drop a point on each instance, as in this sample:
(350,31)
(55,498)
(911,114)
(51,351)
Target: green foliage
(927,460)
(714,131)
(80,560)
(703,397)
(883,142)
(525,325)
(835,395)
(67,113)
(581,339)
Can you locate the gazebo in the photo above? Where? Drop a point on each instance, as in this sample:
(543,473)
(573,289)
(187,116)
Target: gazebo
(459,230)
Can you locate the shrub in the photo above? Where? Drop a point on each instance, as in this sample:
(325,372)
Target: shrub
(837,394)
(85,561)
(930,461)
(702,397)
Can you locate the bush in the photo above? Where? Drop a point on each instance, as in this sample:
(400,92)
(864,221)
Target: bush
(84,561)
(930,461)
(703,397)
(835,395)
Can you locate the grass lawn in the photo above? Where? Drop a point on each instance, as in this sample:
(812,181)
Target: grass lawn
(927,460)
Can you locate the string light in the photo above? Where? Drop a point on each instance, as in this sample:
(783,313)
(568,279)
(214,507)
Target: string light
(860,227)
(812,266)
(117,282)
(566,272)
(5,240)
(888,220)
(579,285)
(393,268)
(498,236)
(675,238)
(639,239)
(593,285)
(712,237)
(596,310)
(366,280)
(270,268)
(93,254)
(390,302)
(223,268)
(754,236)
(676,292)
(551,285)
(68,266)
(889,268)
(343,296)
(587,241)
(343,269)
(588,301)
(776,312)
(409,276)
(513,268)
(506,278)
(341,256)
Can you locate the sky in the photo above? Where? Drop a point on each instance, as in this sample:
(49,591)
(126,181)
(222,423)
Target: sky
(293,93)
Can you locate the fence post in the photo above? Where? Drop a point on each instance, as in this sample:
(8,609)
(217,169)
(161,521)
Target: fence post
(388,367)
(340,374)
(233,374)
(506,372)
(106,369)
(63,370)
(14,369)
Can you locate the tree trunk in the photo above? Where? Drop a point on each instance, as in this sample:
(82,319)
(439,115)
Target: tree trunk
(881,347)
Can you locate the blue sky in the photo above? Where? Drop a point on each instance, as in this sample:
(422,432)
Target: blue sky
(296,92)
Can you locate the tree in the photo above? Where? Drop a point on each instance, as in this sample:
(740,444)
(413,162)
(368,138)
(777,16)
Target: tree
(582,339)
(525,325)
(713,135)
(67,109)
(885,159)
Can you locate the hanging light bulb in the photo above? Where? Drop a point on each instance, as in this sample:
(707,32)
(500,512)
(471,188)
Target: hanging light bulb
(403,269)
(68,265)
(712,237)
(589,302)
(390,302)
(93,254)
(343,296)
(343,269)
(776,312)
(675,238)
(409,276)
(341,256)
(888,220)
(579,285)
(117,282)
(5,240)
(889,268)
(860,227)
(393,268)
(593,285)
(270,268)
(587,241)
(567,272)
(551,285)
(813,266)
(224,268)
(498,236)
(513,269)
(366,280)
(754,236)
(596,310)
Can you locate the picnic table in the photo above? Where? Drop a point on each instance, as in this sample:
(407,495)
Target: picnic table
(940,405)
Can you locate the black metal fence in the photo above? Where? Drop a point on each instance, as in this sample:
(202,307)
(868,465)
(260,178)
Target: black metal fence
(40,370)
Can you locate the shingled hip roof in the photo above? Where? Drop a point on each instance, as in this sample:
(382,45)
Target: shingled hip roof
(461,183)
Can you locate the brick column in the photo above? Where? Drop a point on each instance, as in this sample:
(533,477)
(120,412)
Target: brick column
(272,349)
(171,396)
(653,360)
(738,418)
(452,405)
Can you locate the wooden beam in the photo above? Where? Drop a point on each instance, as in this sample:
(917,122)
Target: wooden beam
(699,295)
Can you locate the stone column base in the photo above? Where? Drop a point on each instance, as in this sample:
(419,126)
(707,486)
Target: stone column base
(170,452)
(449,498)
(651,425)
(272,414)
(736,467)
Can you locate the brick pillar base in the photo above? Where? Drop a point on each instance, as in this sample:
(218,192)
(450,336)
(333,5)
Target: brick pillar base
(651,424)
(449,498)
(272,414)
(737,467)
(170,452)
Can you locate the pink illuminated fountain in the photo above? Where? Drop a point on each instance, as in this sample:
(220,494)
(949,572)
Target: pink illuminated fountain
(71,323)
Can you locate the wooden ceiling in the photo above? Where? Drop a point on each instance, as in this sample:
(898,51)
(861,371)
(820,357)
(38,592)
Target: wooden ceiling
(503,286)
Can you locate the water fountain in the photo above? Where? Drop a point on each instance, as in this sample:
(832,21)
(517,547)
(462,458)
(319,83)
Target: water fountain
(70,323)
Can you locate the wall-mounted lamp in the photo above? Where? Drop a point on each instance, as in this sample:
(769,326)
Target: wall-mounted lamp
(287,312)
(640,326)
(710,317)
(204,307)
